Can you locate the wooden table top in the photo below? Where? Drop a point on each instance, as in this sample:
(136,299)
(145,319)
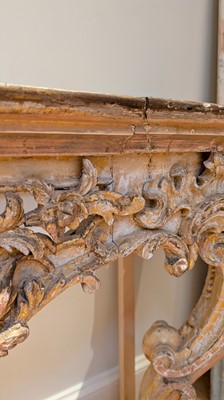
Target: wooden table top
(49,122)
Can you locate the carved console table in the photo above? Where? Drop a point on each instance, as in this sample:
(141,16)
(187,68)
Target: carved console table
(131,175)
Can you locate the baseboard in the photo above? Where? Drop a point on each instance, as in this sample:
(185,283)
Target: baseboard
(102,386)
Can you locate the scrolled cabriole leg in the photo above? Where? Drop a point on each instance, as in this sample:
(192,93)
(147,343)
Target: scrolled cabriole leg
(179,357)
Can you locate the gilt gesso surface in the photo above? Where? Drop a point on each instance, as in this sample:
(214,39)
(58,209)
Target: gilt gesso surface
(139,204)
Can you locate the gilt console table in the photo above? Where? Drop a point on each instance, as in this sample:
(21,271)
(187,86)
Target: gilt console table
(147,173)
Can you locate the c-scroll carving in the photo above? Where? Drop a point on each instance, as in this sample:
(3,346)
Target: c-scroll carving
(179,357)
(36,267)
(180,210)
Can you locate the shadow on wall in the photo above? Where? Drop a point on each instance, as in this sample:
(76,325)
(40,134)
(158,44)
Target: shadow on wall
(104,333)
(158,296)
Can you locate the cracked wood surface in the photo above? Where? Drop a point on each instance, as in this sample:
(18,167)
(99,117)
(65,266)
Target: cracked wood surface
(37,122)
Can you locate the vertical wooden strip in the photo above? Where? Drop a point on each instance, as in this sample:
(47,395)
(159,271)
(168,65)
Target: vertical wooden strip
(217,372)
(126,304)
(220,66)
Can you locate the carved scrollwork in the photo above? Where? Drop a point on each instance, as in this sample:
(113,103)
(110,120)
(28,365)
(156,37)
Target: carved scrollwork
(178,356)
(78,223)
(179,209)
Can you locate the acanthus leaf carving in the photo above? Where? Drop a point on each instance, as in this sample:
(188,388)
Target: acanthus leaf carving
(13,214)
(180,210)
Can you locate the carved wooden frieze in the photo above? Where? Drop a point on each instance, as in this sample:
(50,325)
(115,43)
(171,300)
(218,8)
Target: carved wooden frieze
(179,206)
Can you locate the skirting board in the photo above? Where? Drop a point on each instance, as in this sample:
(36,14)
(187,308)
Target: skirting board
(102,386)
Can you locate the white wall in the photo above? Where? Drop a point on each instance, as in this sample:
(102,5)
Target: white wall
(134,47)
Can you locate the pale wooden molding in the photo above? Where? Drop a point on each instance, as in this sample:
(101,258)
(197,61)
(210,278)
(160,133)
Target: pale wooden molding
(38,122)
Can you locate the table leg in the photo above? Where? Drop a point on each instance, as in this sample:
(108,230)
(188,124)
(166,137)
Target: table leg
(179,357)
(126,307)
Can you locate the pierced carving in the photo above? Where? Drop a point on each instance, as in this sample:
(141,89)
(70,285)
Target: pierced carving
(179,209)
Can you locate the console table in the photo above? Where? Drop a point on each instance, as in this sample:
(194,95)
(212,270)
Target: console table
(110,176)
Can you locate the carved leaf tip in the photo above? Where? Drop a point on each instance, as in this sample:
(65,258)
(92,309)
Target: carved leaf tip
(13,214)
(24,240)
(40,189)
(15,333)
(29,299)
(5,295)
(88,179)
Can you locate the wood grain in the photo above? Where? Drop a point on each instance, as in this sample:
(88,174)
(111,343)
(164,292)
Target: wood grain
(36,122)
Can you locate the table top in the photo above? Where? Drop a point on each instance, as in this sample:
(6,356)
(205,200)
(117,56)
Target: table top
(50,122)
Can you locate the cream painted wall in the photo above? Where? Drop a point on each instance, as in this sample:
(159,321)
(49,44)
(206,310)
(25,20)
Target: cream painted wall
(134,47)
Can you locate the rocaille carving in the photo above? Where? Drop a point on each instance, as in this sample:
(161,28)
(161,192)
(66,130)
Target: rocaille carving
(181,212)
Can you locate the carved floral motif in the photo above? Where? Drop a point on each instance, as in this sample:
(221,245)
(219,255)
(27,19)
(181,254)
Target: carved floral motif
(181,212)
